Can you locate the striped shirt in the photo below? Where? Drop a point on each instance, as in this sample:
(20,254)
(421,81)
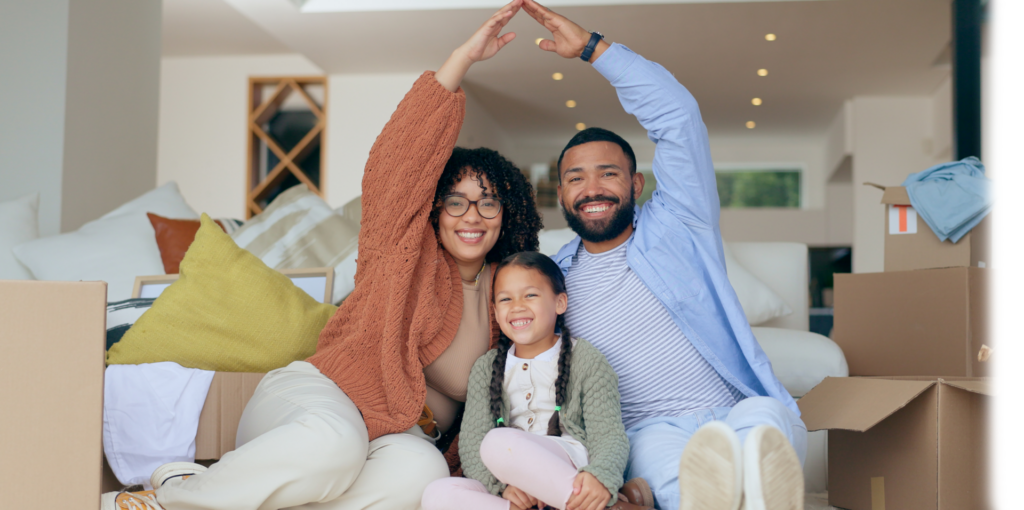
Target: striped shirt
(660,371)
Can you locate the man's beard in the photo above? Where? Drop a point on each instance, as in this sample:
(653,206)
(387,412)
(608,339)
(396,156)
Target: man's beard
(601,230)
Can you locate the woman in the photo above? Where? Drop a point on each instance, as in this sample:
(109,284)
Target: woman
(339,430)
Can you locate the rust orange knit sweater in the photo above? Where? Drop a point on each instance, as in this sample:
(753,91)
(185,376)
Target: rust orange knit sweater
(407,302)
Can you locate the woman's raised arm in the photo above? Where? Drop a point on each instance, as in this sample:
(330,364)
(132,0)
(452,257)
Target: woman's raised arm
(410,153)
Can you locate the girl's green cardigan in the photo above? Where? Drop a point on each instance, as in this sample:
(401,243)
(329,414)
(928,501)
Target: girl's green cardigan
(591,414)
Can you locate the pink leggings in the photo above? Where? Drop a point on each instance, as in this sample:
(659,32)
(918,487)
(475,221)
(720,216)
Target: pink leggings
(533,463)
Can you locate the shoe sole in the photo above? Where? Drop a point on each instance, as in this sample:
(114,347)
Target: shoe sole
(174,470)
(772,476)
(711,470)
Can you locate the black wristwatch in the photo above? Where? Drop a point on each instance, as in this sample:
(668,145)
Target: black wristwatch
(588,51)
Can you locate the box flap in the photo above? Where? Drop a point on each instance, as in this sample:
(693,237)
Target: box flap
(854,403)
(896,195)
(981,387)
(991,354)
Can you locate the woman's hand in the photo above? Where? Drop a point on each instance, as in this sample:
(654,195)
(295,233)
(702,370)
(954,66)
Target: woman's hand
(482,45)
(588,493)
(567,38)
(518,498)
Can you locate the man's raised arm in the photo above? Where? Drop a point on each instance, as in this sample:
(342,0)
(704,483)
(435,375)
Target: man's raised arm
(682,157)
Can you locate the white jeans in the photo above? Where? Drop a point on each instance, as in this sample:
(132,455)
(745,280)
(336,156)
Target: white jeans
(302,443)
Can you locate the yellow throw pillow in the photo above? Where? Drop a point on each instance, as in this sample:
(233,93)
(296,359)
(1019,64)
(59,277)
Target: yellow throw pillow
(227,311)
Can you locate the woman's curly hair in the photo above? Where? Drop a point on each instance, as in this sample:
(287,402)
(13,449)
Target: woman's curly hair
(520,221)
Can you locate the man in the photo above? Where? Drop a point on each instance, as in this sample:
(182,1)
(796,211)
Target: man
(710,425)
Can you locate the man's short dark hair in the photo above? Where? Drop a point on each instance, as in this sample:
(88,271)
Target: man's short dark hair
(596,134)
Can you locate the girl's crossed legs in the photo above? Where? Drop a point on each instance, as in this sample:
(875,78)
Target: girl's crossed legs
(536,464)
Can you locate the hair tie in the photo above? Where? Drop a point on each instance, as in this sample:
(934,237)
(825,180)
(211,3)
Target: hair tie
(499,421)
(558,408)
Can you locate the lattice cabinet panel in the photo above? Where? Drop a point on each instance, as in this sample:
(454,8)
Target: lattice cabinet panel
(286,121)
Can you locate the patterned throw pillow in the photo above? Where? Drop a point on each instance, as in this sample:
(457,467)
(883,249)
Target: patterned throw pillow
(299,230)
(227,312)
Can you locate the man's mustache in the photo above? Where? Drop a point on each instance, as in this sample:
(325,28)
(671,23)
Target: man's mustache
(599,198)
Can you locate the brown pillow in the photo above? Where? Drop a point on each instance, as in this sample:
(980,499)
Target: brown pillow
(173,237)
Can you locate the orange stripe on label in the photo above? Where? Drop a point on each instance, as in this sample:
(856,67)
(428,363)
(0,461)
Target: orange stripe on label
(903,217)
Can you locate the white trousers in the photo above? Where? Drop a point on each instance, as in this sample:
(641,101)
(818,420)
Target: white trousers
(302,443)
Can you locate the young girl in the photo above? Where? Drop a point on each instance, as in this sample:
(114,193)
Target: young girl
(542,423)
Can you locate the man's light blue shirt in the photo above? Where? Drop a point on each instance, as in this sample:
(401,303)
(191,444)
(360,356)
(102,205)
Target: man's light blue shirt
(677,247)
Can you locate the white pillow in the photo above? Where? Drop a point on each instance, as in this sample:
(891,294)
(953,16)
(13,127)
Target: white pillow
(801,359)
(19,223)
(115,248)
(553,240)
(760,303)
(299,230)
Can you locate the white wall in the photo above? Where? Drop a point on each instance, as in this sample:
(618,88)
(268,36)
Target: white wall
(202,137)
(892,138)
(33,63)
(110,127)
(480,129)
(78,105)
(359,105)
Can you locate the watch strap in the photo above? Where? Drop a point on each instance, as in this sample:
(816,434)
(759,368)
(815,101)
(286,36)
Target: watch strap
(588,51)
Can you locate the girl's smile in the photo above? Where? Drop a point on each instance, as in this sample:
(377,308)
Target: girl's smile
(527,308)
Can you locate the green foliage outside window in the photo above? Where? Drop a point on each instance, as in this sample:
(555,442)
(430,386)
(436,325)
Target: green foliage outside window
(742,189)
(747,188)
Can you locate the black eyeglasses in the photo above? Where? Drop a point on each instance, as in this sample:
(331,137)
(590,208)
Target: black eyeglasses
(456,206)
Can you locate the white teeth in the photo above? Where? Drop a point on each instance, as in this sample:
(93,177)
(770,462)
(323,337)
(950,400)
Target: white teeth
(469,235)
(521,322)
(595,208)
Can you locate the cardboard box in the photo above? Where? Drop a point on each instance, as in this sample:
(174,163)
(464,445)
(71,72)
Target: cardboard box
(911,244)
(930,322)
(903,442)
(218,422)
(52,340)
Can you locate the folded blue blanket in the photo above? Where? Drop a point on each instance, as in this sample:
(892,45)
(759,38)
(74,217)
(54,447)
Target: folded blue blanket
(952,197)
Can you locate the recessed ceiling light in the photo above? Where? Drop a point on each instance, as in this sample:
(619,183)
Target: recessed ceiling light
(769,37)
(570,103)
(756,101)
(762,72)
(580,126)
(557,76)
(751,124)
(538,40)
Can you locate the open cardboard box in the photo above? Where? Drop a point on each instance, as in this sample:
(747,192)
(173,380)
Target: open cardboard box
(903,442)
(911,244)
(921,322)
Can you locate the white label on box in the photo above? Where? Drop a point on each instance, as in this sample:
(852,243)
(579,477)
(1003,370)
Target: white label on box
(902,219)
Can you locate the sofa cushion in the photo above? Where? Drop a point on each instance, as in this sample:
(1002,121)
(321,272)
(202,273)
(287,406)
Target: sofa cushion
(299,230)
(227,312)
(19,223)
(114,248)
(801,359)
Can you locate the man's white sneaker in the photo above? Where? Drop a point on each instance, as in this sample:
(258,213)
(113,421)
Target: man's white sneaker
(711,469)
(772,476)
(174,470)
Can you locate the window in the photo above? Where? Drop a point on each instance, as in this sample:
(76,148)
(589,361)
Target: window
(747,188)
(741,187)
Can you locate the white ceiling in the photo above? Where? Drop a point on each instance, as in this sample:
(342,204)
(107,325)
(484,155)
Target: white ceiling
(826,51)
